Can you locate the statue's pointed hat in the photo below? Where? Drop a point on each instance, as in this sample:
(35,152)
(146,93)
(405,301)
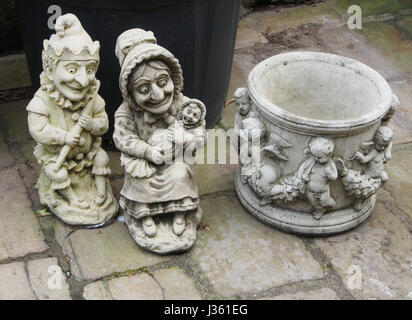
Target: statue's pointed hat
(71,40)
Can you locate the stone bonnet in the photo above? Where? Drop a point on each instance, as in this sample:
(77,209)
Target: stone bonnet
(136,46)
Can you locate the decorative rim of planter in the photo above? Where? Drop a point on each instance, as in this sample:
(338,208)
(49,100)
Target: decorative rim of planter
(294,121)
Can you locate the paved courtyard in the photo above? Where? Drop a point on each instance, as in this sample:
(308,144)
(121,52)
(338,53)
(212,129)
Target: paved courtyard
(235,256)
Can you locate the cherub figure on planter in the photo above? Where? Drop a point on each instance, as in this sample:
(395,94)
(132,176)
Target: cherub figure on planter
(67,117)
(159,197)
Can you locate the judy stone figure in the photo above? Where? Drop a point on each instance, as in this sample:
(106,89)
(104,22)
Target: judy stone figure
(67,117)
(154,122)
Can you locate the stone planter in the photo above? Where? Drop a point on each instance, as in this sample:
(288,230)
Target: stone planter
(314,142)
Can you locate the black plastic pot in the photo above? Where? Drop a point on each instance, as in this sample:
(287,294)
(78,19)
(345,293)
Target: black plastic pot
(200,33)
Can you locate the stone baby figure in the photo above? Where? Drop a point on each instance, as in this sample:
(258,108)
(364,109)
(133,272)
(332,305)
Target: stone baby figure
(381,152)
(317,171)
(187,129)
(159,197)
(252,134)
(67,117)
(243,104)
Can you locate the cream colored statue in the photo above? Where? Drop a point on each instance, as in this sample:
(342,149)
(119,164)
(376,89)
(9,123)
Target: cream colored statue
(67,119)
(154,126)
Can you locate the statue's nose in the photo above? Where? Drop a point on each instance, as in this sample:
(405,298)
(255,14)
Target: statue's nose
(82,77)
(157,93)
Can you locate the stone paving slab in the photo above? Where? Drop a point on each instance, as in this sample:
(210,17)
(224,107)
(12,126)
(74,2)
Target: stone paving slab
(101,252)
(373,7)
(14,72)
(248,37)
(15,115)
(240,255)
(290,18)
(5,157)
(353,44)
(321,294)
(169,284)
(380,251)
(96,291)
(391,43)
(20,233)
(399,184)
(137,287)
(13,282)
(114,163)
(176,285)
(401,123)
(45,271)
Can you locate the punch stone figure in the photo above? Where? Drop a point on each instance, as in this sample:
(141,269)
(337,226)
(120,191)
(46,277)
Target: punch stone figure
(323,140)
(154,126)
(67,117)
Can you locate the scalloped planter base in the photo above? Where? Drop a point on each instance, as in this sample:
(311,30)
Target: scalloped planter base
(302,223)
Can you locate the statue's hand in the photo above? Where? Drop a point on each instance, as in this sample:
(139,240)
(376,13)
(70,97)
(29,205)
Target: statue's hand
(86,122)
(72,139)
(154,154)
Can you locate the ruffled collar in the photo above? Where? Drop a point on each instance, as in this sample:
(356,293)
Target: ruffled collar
(60,99)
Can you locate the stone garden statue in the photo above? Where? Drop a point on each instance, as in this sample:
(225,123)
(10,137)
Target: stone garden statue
(154,126)
(67,118)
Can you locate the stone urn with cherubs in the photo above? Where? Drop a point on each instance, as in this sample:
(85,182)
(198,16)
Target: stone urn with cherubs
(154,126)
(67,118)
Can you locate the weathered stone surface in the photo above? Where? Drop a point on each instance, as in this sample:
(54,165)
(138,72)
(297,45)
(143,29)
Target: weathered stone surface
(176,285)
(39,275)
(399,184)
(5,157)
(211,178)
(216,172)
(224,252)
(352,44)
(321,294)
(97,291)
(401,122)
(100,252)
(114,160)
(20,232)
(138,287)
(248,37)
(14,114)
(373,7)
(290,18)
(395,47)
(14,72)
(13,282)
(379,251)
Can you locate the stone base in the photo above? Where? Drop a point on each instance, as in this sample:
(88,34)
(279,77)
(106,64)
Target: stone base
(165,241)
(83,185)
(302,223)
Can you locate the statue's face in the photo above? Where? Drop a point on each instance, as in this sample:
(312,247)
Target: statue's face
(243,105)
(191,115)
(321,158)
(153,91)
(72,78)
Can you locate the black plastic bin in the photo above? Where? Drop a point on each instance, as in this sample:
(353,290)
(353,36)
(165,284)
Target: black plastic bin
(200,33)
